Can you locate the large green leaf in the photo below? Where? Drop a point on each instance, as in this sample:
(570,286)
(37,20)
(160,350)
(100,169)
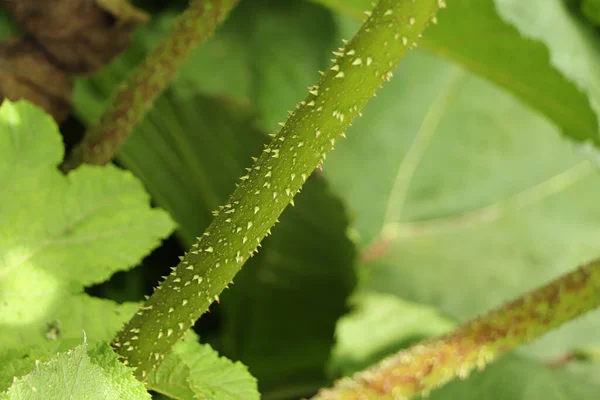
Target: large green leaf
(463,198)
(562,83)
(192,148)
(60,233)
(78,374)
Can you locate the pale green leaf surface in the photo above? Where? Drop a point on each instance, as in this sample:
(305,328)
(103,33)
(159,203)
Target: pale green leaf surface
(588,370)
(572,44)
(513,378)
(20,362)
(381,324)
(192,148)
(79,375)
(99,317)
(195,371)
(472,34)
(60,233)
(462,198)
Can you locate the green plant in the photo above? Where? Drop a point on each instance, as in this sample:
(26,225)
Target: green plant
(418,177)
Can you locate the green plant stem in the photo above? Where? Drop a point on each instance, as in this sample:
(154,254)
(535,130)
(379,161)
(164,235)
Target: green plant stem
(134,98)
(432,363)
(358,70)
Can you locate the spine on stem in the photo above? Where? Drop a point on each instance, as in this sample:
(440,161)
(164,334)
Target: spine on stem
(358,70)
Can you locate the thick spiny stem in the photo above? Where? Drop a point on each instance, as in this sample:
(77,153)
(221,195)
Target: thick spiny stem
(432,363)
(358,70)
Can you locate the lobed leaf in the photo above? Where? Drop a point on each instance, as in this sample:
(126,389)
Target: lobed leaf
(60,233)
(79,374)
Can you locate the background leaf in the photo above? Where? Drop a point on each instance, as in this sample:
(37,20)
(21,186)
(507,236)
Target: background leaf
(513,377)
(572,44)
(390,323)
(463,198)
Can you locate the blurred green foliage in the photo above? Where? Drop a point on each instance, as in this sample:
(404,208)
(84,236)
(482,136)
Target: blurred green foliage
(459,189)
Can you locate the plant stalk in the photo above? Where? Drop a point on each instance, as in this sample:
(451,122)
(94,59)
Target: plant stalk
(358,70)
(432,363)
(148,80)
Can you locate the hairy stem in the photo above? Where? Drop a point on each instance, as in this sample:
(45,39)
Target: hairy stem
(432,363)
(134,98)
(358,70)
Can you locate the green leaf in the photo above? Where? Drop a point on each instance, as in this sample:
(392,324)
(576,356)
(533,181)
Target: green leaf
(591,9)
(192,148)
(517,378)
(60,233)
(285,55)
(463,198)
(19,362)
(588,370)
(195,371)
(571,43)
(78,374)
(472,34)
(389,323)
